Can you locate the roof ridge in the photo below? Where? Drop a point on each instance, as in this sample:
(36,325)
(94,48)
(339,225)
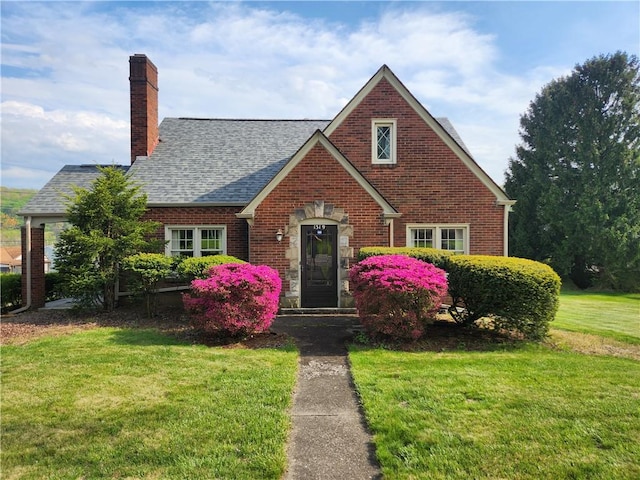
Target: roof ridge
(252,119)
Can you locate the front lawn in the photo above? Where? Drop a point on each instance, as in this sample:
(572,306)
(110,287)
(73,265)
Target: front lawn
(127,403)
(525,413)
(612,315)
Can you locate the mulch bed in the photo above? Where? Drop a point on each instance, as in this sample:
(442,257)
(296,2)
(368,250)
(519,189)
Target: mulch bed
(446,335)
(171,319)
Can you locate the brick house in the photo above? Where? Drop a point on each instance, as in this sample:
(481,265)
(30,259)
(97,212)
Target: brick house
(11,260)
(299,195)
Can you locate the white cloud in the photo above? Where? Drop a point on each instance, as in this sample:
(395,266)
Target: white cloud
(19,177)
(37,142)
(68,101)
(30,173)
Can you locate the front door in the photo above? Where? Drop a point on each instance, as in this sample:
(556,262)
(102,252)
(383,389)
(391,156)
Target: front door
(319,268)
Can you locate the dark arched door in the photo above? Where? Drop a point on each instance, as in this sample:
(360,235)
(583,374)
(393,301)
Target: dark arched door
(319,268)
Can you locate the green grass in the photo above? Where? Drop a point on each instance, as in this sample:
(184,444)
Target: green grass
(119,403)
(529,413)
(612,315)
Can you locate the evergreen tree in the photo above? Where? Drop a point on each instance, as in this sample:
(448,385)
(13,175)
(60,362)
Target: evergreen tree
(576,175)
(106,227)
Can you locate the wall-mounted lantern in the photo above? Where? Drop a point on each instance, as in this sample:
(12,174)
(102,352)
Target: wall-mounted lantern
(279,235)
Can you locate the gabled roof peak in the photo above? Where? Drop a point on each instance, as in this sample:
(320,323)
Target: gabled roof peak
(453,141)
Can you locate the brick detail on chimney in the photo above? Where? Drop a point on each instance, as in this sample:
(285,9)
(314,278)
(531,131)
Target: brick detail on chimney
(143,80)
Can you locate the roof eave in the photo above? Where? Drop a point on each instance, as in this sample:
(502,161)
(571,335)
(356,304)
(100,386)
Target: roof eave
(194,204)
(317,138)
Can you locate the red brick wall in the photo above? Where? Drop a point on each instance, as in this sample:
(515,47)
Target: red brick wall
(429,183)
(38,292)
(143,82)
(236,228)
(317,177)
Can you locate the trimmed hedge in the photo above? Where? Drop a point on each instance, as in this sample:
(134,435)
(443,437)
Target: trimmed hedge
(439,258)
(11,287)
(147,270)
(516,294)
(197,267)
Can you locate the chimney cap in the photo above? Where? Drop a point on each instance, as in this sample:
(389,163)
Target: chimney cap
(140,60)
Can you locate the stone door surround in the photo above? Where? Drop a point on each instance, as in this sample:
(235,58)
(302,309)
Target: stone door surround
(318,211)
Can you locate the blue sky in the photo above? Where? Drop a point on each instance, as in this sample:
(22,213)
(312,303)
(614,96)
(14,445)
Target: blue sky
(65,92)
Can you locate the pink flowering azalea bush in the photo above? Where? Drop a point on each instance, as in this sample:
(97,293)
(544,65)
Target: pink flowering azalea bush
(396,295)
(235,299)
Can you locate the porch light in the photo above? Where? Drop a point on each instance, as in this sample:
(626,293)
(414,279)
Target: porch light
(279,235)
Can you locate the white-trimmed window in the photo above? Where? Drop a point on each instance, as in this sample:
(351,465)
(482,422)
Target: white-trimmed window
(383,141)
(454,238)
(195,241)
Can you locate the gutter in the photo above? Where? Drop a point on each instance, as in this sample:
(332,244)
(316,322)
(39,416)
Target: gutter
(28,249)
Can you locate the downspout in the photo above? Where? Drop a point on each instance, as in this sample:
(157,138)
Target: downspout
(249,225)
(507,209)
(388,219)
(27,305)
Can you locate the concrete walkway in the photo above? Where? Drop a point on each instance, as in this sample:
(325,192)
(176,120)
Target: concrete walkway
(329,438)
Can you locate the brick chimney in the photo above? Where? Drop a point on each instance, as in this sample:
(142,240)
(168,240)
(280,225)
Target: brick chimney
(143,80)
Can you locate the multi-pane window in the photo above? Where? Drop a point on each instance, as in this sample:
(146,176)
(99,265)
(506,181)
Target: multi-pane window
(210,241)
(383,141)
(195,241)
(422,237)
(182,243)
(454,238)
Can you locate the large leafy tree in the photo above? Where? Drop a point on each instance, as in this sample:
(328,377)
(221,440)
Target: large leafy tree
(106,227)
(576,174)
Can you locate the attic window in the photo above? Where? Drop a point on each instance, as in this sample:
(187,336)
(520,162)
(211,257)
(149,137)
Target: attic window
(383,141)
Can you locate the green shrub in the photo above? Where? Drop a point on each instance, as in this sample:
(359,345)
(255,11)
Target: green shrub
(11,285)
(439,258)
(196,267)
(53,286)
(517,294)
(396,295)
(147,269)
(235,299)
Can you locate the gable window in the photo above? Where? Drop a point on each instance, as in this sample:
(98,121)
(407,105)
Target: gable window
(383,141)
(195,241)
(454,238)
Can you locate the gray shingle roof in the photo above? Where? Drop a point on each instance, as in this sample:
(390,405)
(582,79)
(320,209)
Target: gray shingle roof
(218,161)
(446,124)
(50,200)
(206,161)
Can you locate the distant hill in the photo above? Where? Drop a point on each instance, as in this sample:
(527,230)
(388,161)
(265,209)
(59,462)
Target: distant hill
(11,202)
(13,199)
